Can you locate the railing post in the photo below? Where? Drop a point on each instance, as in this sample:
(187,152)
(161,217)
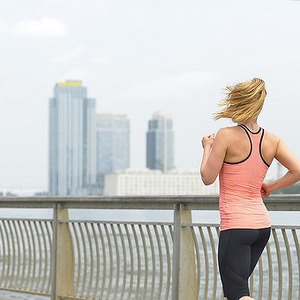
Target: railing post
(184,285)
(176,252)
(62,272)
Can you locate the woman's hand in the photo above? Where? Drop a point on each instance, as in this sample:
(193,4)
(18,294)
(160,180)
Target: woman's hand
(214,149)
(265,190)
(208,140)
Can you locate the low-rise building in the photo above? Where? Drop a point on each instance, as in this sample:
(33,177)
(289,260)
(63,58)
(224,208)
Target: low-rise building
(155,182)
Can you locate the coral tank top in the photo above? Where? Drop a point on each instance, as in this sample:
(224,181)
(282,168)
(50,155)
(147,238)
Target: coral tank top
(240,203)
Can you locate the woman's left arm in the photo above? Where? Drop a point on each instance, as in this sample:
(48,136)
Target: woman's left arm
(214,151)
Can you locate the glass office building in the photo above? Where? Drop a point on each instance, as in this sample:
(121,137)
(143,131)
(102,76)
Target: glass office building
(160,143)
(72,140)
(112,145)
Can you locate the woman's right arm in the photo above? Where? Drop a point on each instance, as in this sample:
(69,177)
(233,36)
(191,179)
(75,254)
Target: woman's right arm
(288,160)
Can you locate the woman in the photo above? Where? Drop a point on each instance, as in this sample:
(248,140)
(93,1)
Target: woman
(241,155)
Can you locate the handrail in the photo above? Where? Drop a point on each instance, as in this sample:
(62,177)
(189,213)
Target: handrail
(280,202)
(91,259)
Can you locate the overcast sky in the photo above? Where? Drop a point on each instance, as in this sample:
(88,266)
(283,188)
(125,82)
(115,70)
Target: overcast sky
(138,57)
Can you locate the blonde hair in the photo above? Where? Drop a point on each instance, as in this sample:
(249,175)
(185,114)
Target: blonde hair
(244,101)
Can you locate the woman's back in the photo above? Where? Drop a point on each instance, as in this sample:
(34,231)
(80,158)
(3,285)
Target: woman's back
(239,146)
(241,177)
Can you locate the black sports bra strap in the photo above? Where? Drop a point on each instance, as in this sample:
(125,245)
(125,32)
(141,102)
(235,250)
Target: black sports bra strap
(260,146)
(248,130)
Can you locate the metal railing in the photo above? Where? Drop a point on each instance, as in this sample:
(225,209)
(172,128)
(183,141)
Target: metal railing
(90,259)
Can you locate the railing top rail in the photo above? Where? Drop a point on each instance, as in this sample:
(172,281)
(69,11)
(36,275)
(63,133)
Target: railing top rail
(282,202)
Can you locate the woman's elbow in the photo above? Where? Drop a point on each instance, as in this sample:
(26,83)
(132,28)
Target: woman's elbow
(295,171)
(297,174)
(207,180)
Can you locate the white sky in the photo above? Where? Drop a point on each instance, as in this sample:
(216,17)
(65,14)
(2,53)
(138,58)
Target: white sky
(138,57)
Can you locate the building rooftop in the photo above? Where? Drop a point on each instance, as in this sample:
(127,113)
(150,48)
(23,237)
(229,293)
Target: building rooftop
(70,83)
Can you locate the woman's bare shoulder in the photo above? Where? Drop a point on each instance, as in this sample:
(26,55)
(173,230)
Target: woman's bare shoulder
(272,138)
(228,131)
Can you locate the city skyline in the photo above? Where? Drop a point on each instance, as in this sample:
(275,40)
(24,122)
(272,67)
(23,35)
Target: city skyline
(85,146)
(138,57)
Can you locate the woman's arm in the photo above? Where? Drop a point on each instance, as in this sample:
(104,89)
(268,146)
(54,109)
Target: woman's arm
(214,151)
(289,161)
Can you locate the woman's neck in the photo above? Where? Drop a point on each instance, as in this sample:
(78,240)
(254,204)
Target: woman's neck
(251,124)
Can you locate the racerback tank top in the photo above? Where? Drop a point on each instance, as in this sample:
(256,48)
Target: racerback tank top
(240,202)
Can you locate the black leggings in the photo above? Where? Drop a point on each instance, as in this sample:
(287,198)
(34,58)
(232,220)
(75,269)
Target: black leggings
(239,252)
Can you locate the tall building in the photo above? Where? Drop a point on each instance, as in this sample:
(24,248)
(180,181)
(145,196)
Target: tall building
(112,145)
(72,140)
(160,143)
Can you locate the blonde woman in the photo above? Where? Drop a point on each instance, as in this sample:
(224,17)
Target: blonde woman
(241,156)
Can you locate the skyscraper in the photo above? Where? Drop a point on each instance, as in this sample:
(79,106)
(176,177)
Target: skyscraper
(112,145)
(72,140)
(160,143)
